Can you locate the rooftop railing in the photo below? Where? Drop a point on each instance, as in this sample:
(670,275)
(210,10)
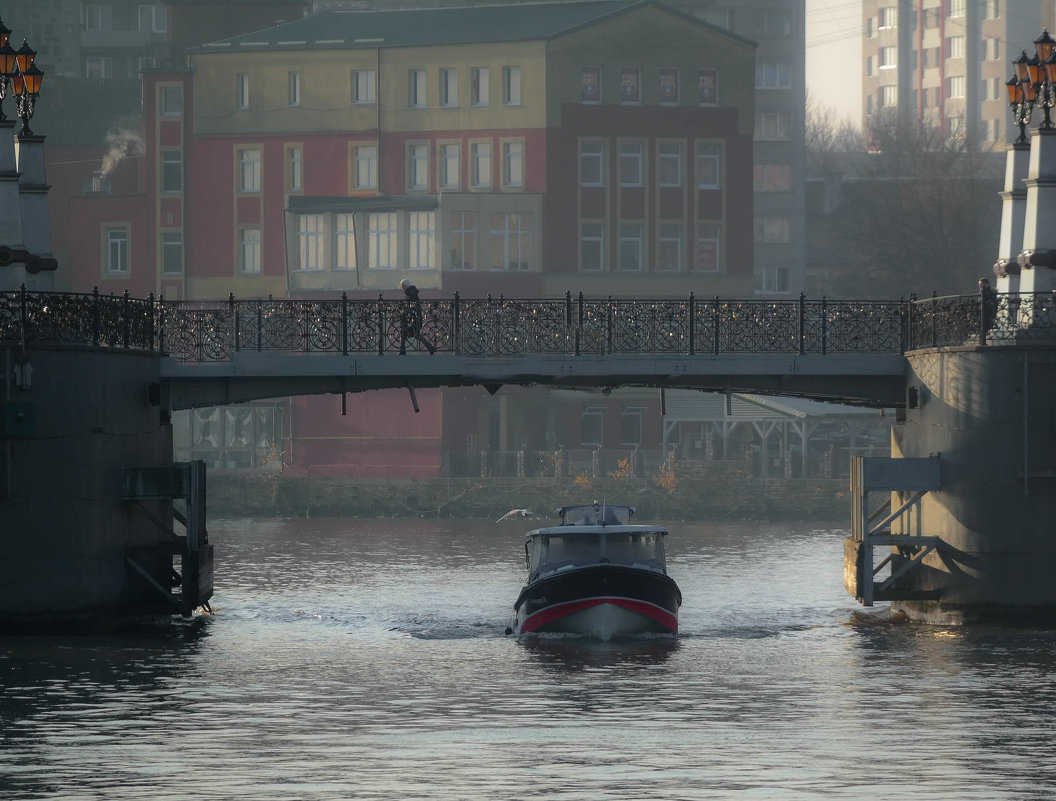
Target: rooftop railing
(214,331)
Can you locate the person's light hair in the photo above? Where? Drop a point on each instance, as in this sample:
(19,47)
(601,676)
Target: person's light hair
(405,283)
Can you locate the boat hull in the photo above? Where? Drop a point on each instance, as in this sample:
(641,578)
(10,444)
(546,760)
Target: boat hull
(602,601)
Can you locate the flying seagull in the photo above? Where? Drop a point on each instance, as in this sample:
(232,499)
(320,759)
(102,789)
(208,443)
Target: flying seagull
(517,513)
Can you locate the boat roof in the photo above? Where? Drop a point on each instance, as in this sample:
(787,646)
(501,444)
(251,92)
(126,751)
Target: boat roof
(595,517)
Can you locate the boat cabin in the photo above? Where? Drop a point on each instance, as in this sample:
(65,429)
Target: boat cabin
(582,540)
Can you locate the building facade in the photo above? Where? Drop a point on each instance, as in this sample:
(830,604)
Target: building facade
(947,61)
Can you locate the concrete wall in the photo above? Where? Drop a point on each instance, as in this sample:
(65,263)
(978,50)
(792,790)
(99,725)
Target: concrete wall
(990,414)
(64,530)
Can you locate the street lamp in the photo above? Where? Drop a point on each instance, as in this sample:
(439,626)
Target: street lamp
(7,64)
(26,78)
(1042,71)
(1021,99)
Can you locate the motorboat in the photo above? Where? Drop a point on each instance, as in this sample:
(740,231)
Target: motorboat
(599,575)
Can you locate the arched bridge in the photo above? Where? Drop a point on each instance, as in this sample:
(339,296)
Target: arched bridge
(227,351)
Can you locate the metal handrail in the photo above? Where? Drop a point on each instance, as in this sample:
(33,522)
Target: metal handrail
(214,331)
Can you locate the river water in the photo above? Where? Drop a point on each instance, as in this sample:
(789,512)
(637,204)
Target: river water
(352,659)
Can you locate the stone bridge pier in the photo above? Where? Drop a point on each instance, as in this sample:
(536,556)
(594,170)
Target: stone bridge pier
(987,415)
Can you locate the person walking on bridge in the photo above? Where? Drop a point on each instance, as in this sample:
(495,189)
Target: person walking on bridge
(412,318)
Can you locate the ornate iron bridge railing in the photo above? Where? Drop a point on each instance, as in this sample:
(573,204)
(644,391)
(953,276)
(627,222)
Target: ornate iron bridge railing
(213,331)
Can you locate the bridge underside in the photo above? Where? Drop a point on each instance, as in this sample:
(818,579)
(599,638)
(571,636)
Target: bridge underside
(864,379)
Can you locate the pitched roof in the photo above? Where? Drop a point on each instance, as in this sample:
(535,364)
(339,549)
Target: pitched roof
(416,27)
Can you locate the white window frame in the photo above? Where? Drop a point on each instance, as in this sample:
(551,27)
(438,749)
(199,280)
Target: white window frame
(98,67)
(383,240)
(417,166)
(117,241)
(294,168)
(480,86)
(592,236)
(365,166)
(249,251)
(170,101)
(152,19)
(449,87)
(669,241)
(98,17)
(708,152)
(463,239)
(242,91)
(513,164)
(594,413)
(293,88)
(450,164)
(417,96)
(632,163)
(171,172)
(344,225)
(510,232)
(669,155)
(480,165)
(511,86)
(311,242)
(636,414)
(250,169)
(421,240)
(364,87)
(630,255)
(591,158)
(172,243)
(773,74)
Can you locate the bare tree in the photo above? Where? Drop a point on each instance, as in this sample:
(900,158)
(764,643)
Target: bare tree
(917,211)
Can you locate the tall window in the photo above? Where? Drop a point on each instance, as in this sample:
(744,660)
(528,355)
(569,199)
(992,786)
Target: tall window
(293,88)
(344,242)
(669,248)
(592,163)
(707,256)
(416,89)
(98,17)
(381,241)
(956,48)
(773,229)
(418,166)
(632,242)
(249,170)
(510,244)
(592,246)
(511,86)
(957,8)
(631,425)
(888,17)
(448,87)
(463,240)
(772,178)
(631,163)
(172,252)
(773,125)
(955,84)
(592,426)
(513,164)
(172,101)
(241,90)
(709,165)
(310,233)
(479,88)
(294,168)
(152,19)
(771,74)
(888,57)
(450,165)
(481,165)
(363,86)
(98,67)
(365,167)
(249,251)
(171,171)
(421,238)
(116,240)
(669,163)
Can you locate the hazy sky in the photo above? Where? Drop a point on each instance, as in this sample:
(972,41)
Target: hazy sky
(834,36)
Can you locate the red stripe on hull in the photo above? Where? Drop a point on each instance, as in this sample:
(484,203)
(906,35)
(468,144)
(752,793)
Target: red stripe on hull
(558,611)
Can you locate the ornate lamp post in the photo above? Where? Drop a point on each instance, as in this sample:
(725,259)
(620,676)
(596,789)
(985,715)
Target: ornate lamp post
(1021,99)
(7,64)
(26,85)
(1041,70)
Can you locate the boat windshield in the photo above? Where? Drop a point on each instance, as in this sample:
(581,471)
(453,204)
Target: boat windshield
(556,551)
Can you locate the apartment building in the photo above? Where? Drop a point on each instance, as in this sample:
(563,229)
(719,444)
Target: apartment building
(947,61)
